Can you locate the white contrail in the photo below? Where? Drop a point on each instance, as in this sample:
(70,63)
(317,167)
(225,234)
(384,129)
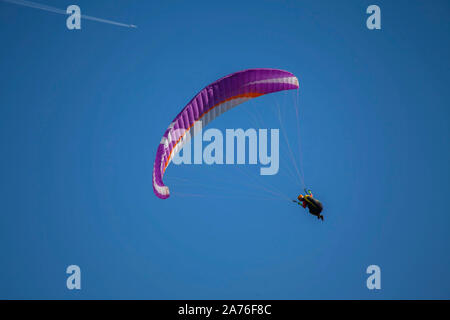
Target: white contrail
(35,5)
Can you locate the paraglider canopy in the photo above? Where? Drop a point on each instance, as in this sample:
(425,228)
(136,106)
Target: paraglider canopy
(215,99)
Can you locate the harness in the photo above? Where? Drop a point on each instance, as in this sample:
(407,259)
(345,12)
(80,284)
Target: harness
(313,204)
(307,199)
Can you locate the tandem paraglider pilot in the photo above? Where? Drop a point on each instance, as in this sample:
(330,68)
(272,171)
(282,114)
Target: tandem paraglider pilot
(314,206)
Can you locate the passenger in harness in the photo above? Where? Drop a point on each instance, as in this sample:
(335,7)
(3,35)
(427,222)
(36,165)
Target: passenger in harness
(315,206)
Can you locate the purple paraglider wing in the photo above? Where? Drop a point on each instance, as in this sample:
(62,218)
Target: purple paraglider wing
(217,98)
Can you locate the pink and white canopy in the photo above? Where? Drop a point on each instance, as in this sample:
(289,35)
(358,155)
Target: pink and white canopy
(217,98)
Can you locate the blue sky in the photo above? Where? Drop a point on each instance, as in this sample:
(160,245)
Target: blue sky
(82,113)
